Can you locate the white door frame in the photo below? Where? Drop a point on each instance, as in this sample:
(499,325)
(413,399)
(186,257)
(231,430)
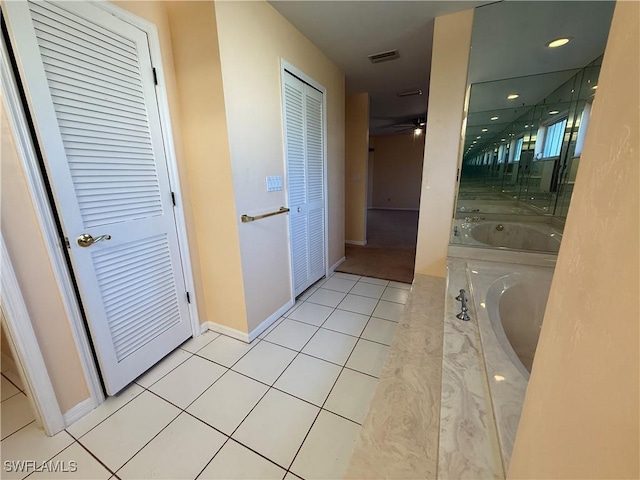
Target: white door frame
(26,348)
(17,325)
(287,67)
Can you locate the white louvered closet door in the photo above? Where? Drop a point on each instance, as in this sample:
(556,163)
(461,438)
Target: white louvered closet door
(304,145)
(91,91)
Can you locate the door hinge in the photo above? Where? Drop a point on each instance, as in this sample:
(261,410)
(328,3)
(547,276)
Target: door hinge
(188,298)
(155,76)
(66,243)
(173,198)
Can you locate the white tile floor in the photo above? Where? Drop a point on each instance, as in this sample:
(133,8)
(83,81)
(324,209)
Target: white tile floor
(288,405)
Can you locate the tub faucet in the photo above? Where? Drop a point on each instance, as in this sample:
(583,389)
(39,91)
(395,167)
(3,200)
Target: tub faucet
(473,219)
(462,298)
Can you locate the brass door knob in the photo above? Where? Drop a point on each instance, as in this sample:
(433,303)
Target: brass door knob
(86,240)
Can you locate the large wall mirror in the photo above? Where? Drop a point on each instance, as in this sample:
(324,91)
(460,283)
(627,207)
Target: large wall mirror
(529,109)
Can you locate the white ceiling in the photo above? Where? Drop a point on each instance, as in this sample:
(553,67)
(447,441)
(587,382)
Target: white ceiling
(509,38)
(508,41)
(509,55)
(348,31)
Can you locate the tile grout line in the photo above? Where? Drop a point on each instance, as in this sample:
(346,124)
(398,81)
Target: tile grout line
(75,440)
(298,353)
(12,383)
(330,391)
(79,440)
(13,433)
(229,437)
(334,384)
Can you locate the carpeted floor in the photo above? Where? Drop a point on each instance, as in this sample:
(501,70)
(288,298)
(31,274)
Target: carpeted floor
(391,249)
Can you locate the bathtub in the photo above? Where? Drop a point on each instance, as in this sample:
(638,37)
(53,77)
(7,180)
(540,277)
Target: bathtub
(497,207)
(509,301)
(532,236)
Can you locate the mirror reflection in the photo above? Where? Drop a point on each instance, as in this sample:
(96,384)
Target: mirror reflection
(522,161)
(528,114)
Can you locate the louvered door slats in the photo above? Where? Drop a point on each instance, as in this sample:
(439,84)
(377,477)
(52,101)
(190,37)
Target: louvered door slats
(315,161)
(118,53)
(126,307)
(75,99)
(305,180)
(295,145)
(73,78)
(51,51)
(103,135)
(90,85)
(82,115)
(52,15)
(316,242)
(84,51)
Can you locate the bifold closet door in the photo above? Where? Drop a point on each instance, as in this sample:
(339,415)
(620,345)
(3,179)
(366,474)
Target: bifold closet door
(304,145)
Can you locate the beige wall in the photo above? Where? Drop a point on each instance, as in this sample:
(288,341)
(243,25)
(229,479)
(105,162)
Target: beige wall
(206,149)
(155,12)
(580,416)
(356,159)
(253,37)
(191,62)
(30,260)
(445,116)
(397,171)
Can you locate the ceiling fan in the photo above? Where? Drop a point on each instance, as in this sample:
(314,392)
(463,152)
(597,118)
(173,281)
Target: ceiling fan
(418,126)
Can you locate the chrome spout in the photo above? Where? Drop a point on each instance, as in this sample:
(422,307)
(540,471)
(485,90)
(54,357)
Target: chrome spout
(462,298)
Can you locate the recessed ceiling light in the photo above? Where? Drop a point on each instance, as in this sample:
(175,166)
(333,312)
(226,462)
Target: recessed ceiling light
(594,87)
(558,42)
(478,137)
(526,126)
(512,96)
(502,139)
(553,112)
(485,129)
(494,118)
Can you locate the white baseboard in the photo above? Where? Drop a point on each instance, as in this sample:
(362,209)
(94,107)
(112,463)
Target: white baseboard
(228,331)
(79,411)
(356,242)
(395,208)
(248,337)
(333,267)
(269,321)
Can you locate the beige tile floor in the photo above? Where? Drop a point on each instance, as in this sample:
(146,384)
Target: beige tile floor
(289,405)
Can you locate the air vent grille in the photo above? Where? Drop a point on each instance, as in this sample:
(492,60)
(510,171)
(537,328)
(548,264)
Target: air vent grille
(384,56)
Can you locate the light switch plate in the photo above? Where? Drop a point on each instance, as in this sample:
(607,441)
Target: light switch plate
(274,183)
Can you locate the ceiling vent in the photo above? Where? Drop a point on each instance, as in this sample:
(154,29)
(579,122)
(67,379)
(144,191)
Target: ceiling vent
(384,56)
(410,93)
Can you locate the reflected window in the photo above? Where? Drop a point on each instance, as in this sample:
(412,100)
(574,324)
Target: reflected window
(582,129)
(518,151)
(553,139)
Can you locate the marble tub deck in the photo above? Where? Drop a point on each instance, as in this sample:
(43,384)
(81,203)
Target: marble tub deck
(399,437)
(431,415)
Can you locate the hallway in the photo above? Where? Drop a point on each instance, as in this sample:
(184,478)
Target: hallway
(391,246)
(289,405)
